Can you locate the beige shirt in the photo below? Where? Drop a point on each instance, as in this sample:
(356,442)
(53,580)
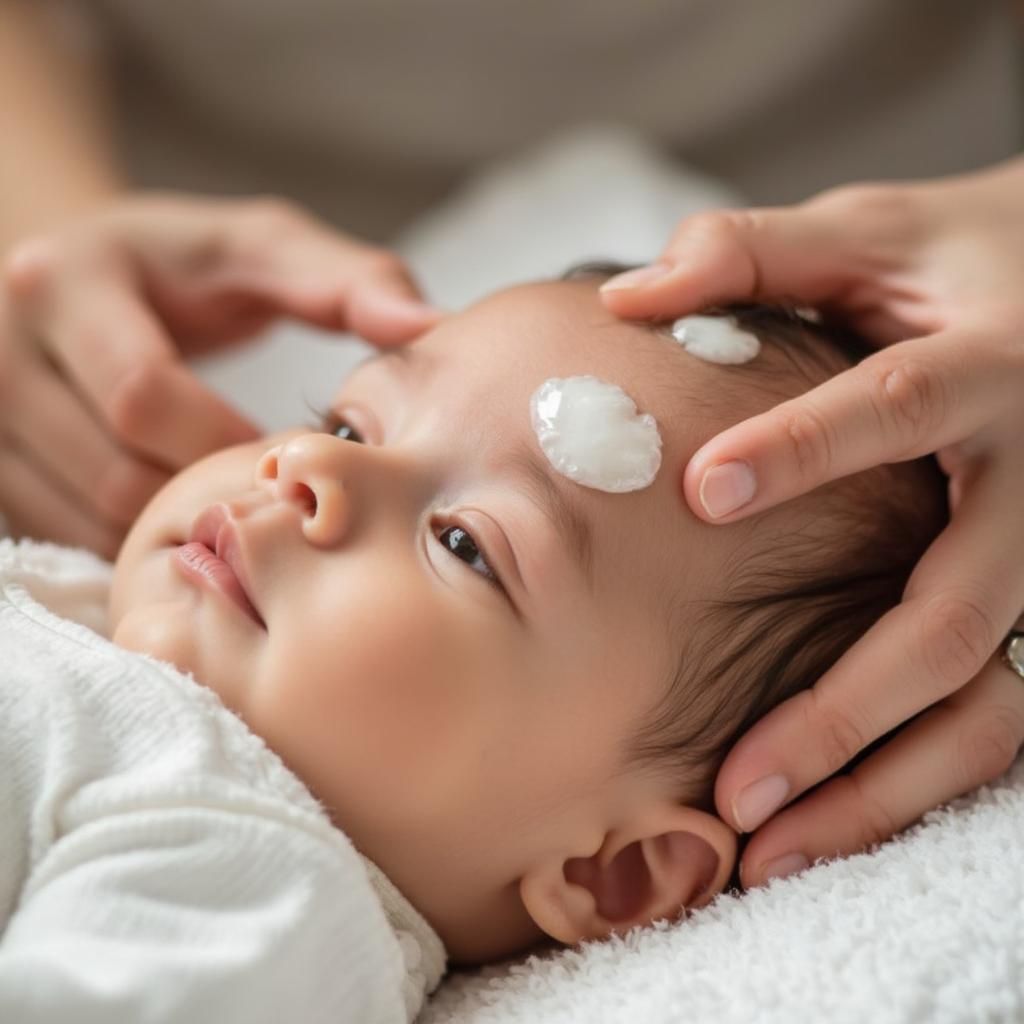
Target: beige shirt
(370,110)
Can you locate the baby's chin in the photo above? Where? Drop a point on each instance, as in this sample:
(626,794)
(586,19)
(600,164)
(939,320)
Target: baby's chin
(159,630)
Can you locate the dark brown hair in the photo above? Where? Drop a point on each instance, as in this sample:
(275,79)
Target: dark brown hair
(797,599)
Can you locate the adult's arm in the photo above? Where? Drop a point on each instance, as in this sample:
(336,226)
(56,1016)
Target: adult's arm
(57,157)
(933,273)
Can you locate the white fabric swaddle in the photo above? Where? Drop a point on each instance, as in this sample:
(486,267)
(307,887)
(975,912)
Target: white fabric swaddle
(157,861)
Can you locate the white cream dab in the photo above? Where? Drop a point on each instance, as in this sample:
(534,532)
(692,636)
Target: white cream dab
(716,339)
(591,432)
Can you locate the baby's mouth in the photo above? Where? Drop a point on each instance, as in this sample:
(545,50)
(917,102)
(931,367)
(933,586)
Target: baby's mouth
(214,555)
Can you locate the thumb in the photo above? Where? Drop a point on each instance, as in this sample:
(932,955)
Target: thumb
(726,256)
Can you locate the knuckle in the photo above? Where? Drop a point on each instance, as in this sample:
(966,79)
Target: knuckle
(383,263)
(29,268)
(876,823)
(699,229)
(810,438)
(122,490)
(911,398)
(132,401)
(725,239)
(272,215)
(840,736)
(957,636)
(864,198)
(989,746)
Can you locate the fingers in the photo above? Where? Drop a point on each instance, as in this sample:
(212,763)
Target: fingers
(54,431)
(278,255)
(911,399)
(388,316)
(966,596)
(810,253)
(968,739)
(342,286)
(35,506)
(725,256)
(116,355)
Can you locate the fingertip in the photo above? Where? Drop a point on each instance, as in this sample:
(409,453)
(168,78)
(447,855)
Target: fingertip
(719,489)
(388,320)
(660,291)
(726,488)
(637,278)
(243,430)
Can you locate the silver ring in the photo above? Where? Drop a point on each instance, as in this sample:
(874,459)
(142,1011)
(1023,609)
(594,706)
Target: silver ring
(1013,651)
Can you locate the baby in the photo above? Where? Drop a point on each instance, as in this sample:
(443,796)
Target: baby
(499,697)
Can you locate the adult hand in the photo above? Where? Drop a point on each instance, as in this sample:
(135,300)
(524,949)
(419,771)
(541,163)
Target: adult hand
(97,408)
(934,274)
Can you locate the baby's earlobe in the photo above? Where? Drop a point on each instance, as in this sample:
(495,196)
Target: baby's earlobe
(671,858)
(566,912)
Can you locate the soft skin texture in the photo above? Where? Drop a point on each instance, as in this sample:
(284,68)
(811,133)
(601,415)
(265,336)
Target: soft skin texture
(469,740)
(97,406)
(930,272)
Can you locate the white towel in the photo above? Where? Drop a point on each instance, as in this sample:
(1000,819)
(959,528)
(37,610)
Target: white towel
(927,928)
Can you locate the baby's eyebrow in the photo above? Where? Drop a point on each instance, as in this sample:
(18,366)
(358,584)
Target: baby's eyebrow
(402,357)
(568,518)
(557,506)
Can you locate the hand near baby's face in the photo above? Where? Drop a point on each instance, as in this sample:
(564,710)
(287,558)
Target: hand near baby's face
(932,271)
(458,642)
(97,409)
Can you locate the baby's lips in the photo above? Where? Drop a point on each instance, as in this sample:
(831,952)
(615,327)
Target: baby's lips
(216,529)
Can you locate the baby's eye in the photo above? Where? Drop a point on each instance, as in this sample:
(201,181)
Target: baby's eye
(332,423)
(461,544)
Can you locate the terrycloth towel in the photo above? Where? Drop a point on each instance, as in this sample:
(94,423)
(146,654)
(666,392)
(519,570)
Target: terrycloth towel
(158,862)
(928,928)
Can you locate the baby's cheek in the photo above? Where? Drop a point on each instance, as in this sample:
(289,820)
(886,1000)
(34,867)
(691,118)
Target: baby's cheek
(397,706)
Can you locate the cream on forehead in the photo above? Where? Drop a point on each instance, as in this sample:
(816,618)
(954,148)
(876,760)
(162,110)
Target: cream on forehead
(591,432)
(716,339)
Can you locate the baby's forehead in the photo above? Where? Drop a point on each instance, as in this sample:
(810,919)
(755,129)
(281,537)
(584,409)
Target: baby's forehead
(560,329)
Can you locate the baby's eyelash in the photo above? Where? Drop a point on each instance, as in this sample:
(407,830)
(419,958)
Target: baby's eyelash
(329,422)
(459,543)
(456,540)
(321,414)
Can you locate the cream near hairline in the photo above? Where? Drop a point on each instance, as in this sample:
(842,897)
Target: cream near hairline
(590,430)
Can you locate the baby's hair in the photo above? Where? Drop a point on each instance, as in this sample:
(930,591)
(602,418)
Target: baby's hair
(798,595)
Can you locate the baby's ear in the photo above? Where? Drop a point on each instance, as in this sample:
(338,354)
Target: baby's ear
(666,858)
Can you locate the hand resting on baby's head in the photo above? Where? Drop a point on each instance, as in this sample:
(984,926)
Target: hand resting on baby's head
(511,691)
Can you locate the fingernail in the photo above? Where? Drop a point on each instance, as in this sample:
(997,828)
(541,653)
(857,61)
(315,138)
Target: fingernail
(759,801)
(727,487)
(781,867)
(637,278)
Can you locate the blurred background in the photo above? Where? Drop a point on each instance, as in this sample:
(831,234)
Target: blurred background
(497,141)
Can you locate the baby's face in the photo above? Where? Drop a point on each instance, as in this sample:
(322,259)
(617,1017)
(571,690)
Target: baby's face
(457,642)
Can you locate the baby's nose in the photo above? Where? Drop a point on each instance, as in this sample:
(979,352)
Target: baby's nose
(307,471)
